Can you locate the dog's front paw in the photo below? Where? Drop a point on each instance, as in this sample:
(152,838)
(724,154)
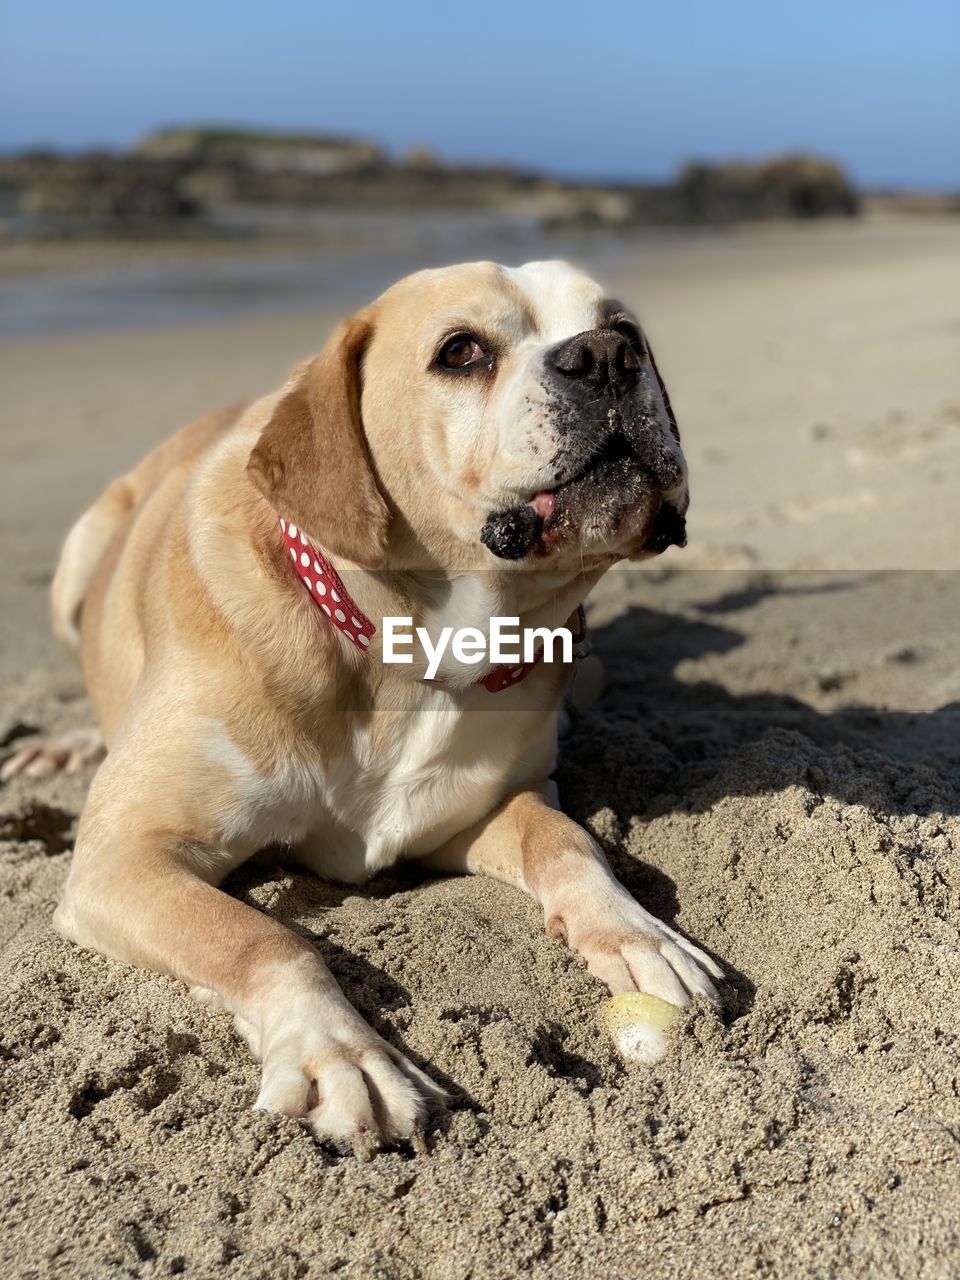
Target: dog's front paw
(355,1088)
(631,950)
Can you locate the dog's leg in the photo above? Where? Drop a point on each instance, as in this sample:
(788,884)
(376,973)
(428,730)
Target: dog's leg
(147,898)
(529,843)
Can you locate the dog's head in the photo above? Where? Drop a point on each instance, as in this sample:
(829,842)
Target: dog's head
(480,415)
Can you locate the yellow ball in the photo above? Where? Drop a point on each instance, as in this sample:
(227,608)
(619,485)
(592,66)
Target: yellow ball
(638,1024)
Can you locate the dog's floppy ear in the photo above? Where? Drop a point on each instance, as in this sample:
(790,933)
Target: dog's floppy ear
(663,392)
(312,463)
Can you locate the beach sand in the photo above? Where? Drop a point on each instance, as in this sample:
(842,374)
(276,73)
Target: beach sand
(774,767)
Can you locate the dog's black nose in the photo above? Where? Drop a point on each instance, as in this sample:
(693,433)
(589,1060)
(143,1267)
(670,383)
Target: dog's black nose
(599,358)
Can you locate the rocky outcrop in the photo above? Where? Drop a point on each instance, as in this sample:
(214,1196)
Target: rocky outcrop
(100,191)
(793,186)
(190,178)
(317,155)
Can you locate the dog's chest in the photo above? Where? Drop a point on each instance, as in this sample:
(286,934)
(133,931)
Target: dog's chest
(407,792)
(400,791)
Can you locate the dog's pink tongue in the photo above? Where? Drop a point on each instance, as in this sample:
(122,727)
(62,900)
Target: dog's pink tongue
(544,504)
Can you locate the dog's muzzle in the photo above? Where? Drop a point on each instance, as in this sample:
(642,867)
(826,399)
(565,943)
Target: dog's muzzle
(615,459)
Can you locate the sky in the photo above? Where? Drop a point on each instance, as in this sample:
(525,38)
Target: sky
(607,88)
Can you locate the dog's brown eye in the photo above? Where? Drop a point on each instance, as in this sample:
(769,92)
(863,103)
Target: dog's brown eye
(460,351)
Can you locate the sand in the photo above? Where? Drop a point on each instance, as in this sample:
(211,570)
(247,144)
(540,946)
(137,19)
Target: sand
(774,766)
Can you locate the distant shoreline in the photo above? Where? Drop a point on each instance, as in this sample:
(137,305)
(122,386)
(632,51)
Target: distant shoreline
(74,285)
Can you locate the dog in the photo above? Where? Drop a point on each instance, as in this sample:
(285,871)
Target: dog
(479,442)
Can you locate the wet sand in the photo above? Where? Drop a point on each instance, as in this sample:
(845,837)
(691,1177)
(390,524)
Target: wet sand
(774,766)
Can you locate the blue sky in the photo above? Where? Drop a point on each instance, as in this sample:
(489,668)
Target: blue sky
(603,89)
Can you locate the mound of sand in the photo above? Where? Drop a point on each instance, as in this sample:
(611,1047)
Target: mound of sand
(807,839)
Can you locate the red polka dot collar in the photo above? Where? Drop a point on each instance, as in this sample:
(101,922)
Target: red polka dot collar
(323,582)
(327,590)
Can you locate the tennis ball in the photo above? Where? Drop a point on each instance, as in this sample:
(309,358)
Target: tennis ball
(638,1024)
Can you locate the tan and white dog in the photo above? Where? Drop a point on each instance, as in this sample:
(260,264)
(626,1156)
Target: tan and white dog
(478,442)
